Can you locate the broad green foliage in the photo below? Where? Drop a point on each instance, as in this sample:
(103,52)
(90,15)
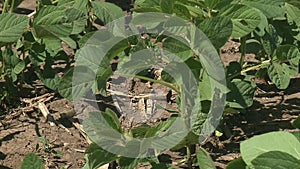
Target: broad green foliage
(271,150)
(56,22)
(217,29)
(244,19)
(241,93)
(12,27)
(270,8)
(204,159)
(32,161)
(270,29)
(258,145)
(107,12)
(96,157)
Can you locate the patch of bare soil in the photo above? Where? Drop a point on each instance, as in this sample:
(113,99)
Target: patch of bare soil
(56,141)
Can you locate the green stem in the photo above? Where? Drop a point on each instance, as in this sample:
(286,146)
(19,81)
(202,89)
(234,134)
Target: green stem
(54,2)
(5,6)
(12,6)
(181,162)
(243,50)
(38,5)
(189,156)
(264,63)
(209,13)
(169,85)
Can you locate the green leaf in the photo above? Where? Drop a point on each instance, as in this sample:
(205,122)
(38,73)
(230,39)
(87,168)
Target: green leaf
(53,46)
(128,163)
(167,6)
(20,67)
(112,119)
(270,8)
(237,163)
(143,19)
(204,160)
(293,14)
(296,123)
(273,141)
(195,10)
(291,54)
(46,2)
(241,93)
(275,160)
(279,74)
(178,48)
(147,3)
(32,161)
(205,83)
(48,76)
(260,30)
(107,12)
(217,29)
(79,19)
(182,11)
(167,77)
(84,39)
(161,127)
(76,82)
(10,58)
(190,139)
(297,135)
(102,129)
(96,156)
(296,3)
(55,22)
(137,62)
(81,5)
(244,19)
(146,131)
(211,4)
(65,3)
(12,27)
(161,166)
(270,40)
(70,42)
(37,54)
(103,75)
(199,43)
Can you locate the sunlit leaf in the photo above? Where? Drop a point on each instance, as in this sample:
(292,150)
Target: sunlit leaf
(12,27)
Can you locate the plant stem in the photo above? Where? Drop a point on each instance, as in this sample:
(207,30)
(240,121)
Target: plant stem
(264,63)
(243,50)
(55,1)
(5,6)
(209,13)
(181,162)
(189,156)
(38,4)
(169,85)
(12,6)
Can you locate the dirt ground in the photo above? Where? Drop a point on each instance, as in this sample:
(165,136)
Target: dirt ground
(62,143)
